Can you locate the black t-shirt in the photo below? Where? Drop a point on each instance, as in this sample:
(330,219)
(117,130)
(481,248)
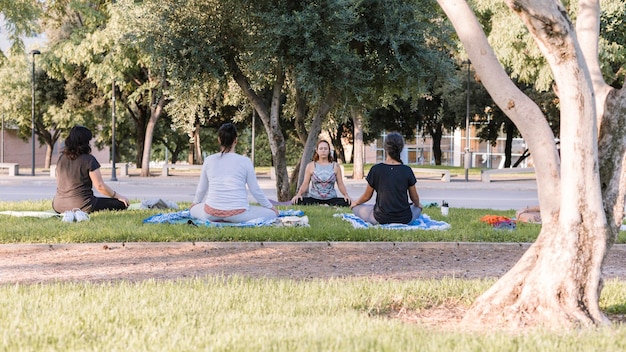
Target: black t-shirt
(391,183)
(74,186)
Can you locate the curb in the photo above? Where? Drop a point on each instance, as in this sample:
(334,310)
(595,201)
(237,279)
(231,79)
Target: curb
(226,245)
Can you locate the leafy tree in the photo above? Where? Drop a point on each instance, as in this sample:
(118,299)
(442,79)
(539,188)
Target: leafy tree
(558,281)
(397,48)
(401,116)
(434,118)
(312,53)
(20,20)
(16,75)
(87,46)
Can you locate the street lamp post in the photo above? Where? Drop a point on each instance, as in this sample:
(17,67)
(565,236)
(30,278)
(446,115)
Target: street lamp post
(468,155)
(32,108)
(113,122)
(2,158)
(113,172)
(253,132)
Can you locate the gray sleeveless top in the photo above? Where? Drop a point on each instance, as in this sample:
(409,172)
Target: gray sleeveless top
(323,182)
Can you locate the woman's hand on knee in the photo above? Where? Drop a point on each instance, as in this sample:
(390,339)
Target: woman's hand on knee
(295,199)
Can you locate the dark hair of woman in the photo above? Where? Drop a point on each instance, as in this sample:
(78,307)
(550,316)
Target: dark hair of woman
(77,143)
(226,135)
(316,157)
(394,143)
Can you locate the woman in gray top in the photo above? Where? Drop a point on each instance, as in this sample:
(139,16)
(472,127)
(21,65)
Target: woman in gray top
(77,172)
(322,173)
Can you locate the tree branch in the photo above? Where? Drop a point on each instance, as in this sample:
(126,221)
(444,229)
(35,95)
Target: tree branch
(526,115)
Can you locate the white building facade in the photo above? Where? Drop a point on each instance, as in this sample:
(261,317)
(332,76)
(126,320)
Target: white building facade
(453,145)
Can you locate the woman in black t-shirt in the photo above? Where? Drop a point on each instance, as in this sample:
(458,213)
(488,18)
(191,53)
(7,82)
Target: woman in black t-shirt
(391,180)
(77,172)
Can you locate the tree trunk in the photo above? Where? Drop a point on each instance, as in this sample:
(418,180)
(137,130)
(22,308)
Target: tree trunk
(300,117)
(197,151)
(293,180)
(48,138)
(270,119)
(508,144)
(357,151)
(48,158)
(191,151)
(314,131)
(335,140)
(155,113)
(557,282)
(437,134)
(139,116)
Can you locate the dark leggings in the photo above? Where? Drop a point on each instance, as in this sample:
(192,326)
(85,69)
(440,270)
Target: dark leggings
(107,204)
(339,202)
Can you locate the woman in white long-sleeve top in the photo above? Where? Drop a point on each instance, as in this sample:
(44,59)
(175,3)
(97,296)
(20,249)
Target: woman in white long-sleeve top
(221,194)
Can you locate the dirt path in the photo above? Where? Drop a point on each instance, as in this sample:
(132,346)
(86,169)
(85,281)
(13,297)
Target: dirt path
(141,261)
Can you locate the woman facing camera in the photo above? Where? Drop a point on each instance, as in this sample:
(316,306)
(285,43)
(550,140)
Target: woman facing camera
(322,173)
(392,181)
(77,172)
(221,194)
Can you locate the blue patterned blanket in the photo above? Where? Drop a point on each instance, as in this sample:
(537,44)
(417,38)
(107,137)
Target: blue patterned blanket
(184,217)
(424,222)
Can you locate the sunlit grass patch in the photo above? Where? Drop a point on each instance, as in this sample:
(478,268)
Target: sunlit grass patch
(128,226)
(242,314)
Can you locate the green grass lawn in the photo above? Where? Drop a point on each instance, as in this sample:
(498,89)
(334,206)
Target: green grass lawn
(243,314)
(127,226)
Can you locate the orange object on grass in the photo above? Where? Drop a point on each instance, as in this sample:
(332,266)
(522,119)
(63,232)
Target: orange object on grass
(494,219)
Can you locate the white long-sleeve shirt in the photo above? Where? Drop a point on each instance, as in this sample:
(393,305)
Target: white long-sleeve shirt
(223,183)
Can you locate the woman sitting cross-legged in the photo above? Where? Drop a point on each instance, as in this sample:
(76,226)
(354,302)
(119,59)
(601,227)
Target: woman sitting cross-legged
(221,194)
(322,173)
(392,181)
(78,173)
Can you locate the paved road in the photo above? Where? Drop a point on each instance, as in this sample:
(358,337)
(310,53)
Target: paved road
(501,195)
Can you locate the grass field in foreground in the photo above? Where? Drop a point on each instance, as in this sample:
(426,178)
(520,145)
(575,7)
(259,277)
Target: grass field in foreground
(239,314)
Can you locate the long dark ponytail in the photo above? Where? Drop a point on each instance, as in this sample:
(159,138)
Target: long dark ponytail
(394,143)
(226,134)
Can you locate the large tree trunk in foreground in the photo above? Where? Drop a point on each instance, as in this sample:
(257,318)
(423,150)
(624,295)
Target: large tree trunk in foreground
(557,283)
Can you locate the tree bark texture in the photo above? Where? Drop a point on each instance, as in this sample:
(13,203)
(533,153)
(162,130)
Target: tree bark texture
(437,134)
(197,146)
(313,135)
(156,108)
(357,151)
(557,283)
(508,144)
(270,118)
(139,116)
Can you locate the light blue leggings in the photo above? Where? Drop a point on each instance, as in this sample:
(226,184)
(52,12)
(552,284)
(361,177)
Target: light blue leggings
(254,212)
(366,212)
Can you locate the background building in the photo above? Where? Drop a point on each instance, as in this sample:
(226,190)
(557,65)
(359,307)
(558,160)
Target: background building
(420,151)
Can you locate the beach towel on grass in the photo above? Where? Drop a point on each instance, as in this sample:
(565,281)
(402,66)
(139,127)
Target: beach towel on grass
(424,222)
(289,217)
